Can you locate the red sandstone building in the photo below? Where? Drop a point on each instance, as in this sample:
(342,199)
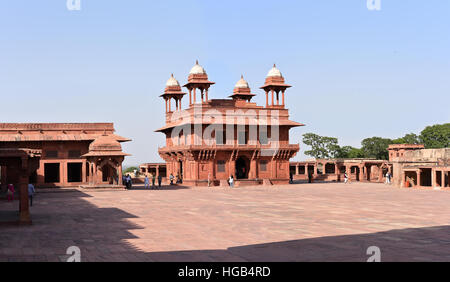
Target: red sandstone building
(71,154)
(215,138)
(59,155)
(364,170)
(419,167)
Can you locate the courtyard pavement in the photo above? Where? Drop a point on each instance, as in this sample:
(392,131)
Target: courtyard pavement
(301,222)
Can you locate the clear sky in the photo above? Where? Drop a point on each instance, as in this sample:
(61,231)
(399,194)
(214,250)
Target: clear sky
(355,72)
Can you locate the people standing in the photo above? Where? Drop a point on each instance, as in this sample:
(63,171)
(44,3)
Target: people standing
(159,180)
(31,192)
(209,180)
(171,177)
(129,183)
(10,193)
(231,181)
(146,182)
(388,178)
(345,178)
(153,180)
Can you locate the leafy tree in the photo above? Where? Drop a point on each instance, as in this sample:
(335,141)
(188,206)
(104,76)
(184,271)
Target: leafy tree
(322,147)
(436,136)
(130,169)
(376,147)
(349,152)
(410,138)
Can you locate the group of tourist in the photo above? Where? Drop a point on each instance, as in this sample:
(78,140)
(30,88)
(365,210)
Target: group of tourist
(153,177)
(126,180)
(10,191)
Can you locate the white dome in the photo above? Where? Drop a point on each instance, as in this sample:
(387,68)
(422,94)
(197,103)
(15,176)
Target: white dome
(274,72)
(172,82)
(242,83)
(197,69)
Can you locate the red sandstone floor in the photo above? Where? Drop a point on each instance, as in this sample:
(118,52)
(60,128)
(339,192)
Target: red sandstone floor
(303,222)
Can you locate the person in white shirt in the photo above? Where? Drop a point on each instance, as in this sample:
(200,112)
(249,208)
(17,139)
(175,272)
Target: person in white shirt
(231,181)
(388,178)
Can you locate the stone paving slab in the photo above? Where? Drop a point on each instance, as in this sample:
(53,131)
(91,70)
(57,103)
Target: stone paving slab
(301,222)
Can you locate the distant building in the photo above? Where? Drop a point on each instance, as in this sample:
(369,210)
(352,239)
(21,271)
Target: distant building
(71,154)
(415,166)
(215,138)
(358,169)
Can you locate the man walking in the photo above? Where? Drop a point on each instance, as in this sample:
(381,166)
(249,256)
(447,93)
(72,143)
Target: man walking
(153,181)
(31,192)
(171,177)
(159,180)
(146,182)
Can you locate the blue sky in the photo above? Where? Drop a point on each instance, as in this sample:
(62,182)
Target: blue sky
(355,73)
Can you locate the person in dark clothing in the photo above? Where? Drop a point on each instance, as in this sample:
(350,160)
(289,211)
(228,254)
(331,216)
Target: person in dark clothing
(159,180)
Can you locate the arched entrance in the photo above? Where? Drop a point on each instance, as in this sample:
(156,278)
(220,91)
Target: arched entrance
(242,167)
(109,174)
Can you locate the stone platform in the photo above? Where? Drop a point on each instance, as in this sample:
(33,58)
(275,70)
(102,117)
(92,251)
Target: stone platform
(301,222)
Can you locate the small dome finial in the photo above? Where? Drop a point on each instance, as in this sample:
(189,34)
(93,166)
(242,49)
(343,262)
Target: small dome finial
(242,76)
(196,62)
(274,65)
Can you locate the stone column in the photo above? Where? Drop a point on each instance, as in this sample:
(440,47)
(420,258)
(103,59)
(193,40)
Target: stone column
(206,91)
(267,99)
(83,172)
(282,97)
(433,178)
(380,174)
(190,97)
(194,94)
(24,212)
(120,174)
(157,171)
(315,168)
(361,173)
(337,171)
(296,169)
(402,180)
(272,97)
(94,174)
(443,178)
(419,177)
(252,172)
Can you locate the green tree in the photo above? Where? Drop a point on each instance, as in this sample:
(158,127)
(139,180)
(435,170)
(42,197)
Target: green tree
(376,147)
(349,152)
(130,169)
(410,138)
(436,136)
(322,147)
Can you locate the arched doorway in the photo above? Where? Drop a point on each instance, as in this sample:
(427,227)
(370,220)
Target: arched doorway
(109,174)
(242,167)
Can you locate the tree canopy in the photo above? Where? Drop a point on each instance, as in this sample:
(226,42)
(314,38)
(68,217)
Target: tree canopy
(436,136)
(323,147)
(376,147)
